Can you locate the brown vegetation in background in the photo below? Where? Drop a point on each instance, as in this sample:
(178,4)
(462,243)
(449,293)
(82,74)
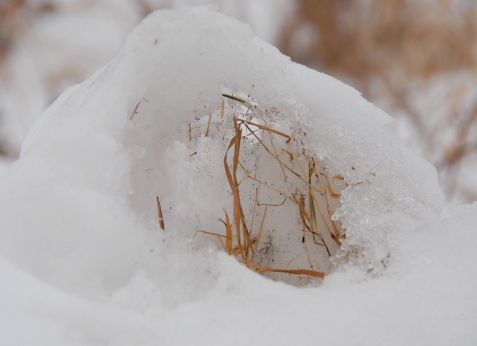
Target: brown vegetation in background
(10,25)
(14,18)
(399,43)
(415,38)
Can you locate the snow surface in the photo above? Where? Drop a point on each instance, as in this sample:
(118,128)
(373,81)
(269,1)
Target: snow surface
(55,50)
(85,263)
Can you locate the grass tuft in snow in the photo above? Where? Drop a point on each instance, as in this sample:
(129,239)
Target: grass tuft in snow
(269,172)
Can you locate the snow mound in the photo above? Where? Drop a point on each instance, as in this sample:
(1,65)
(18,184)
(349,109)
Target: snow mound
(92,167)
(78,209)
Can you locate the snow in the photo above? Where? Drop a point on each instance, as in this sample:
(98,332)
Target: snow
(54,51)
(59,48)
(84,262)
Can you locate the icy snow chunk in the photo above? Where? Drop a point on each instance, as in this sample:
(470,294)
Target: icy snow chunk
(180,109)
(153,123)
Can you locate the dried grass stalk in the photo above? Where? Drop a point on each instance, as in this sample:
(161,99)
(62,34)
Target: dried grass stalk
(159,214)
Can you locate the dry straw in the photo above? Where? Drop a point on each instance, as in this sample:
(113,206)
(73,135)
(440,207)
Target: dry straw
(311,188)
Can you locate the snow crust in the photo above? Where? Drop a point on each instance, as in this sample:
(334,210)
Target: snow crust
(84,260)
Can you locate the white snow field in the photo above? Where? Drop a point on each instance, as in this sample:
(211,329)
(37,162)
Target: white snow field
(84,261)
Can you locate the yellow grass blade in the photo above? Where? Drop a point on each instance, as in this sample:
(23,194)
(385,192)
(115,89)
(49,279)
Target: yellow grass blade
(228,232)
(234,98)
(257,238)
(260,269)
(235,192)
(305,227)
(159,214)
(331,192)
(208,126)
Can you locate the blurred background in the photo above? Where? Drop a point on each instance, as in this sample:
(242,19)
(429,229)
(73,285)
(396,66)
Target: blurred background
(416,59)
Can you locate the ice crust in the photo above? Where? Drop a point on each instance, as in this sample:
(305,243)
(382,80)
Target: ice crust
(77,210)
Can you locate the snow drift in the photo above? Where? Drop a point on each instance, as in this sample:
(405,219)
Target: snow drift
(78,209)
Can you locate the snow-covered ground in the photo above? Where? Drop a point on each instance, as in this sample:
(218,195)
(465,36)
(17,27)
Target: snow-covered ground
(84,261)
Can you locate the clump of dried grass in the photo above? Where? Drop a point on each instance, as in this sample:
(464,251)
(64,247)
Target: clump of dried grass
(305,187)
